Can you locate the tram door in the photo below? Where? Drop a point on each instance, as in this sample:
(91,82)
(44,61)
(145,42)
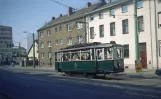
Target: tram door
(143,55)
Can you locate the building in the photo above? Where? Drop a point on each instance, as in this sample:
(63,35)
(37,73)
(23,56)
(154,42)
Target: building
(30,52)
(5,43)
(19,54)
(64,31)
(115,22)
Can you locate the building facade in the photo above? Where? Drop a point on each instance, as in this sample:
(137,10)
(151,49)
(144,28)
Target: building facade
(63,31)
(5,43)
(115,22)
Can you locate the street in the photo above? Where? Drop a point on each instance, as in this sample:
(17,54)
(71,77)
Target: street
(17,85)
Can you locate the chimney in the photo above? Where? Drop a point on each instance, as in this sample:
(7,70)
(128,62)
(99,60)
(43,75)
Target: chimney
(53,18)
(88,4)
(60,15)
(70,11)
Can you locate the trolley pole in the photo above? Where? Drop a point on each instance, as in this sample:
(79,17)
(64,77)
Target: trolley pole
(156,35)
(33,50)
(136,34)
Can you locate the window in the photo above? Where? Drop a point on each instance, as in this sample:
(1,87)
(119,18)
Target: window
(69,40)
(139,4)
(159,48)
(69,27)
(101,29)
(100,15)
(112,29)
(42,55)
(159,19)
(56,29)
(91,32)
(49,55)
(42,45)
(126,51)
(112,12)
(48,32)
(56,42)
(125,26)
(61,41)
(91,18)
(124,9)
(41,34)
(49,43)
(140,24)
(79,39)
(79,25)
(60,28)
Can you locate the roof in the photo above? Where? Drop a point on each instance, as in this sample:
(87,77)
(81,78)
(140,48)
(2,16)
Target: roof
(112,5)
(77,14)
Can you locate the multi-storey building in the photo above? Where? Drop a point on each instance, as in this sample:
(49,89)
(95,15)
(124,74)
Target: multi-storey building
(5,43)
(63,31)
(115,22)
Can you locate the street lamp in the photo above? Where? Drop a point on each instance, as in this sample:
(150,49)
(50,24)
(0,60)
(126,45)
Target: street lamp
(33,46)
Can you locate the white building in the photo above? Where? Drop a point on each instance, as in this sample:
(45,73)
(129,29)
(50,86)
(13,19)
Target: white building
(30,52)
(115,21)
(5,43)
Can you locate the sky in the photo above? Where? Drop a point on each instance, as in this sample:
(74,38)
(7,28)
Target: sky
(30,15)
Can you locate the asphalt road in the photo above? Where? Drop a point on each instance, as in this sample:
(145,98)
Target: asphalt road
(26,86)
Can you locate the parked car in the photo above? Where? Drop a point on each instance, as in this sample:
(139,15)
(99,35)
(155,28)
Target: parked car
(158,72)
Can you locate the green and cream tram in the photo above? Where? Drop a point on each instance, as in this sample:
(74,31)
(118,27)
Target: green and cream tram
(92,58)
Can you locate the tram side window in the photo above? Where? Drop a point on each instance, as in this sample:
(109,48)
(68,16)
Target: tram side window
(108,53)
(66,56)
(75,56)
(118,53)
(100,54)
(86,55)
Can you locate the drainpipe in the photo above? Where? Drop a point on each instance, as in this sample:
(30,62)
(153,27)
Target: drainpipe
(151,34)
(156,35)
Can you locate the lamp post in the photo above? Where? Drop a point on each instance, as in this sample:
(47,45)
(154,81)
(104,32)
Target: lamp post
(50,55)
(156,35)
(33,36)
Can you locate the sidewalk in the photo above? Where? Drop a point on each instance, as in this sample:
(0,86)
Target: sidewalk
(37,68)
(146,73)
(129,73)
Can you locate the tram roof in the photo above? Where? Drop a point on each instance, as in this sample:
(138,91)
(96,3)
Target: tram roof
(88,46)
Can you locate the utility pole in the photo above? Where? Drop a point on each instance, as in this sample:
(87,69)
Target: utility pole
(19,52)
(33,50)
(137,61)
(156,35)
(50,55)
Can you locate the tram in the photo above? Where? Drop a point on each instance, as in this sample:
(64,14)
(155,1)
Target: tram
(91,58)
